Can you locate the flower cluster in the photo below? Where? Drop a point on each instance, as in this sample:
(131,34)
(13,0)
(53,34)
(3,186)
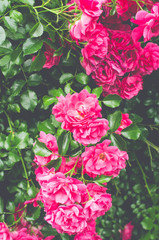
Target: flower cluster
(80,113)
(112,53)
(72,205)
(24,230)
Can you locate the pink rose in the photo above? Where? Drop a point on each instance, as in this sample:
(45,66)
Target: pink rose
(82,29)
(96,49)
(68,219)
(87,235)
(51,144)
(23,234)
(148,24)
(68,163)
(62,190)
(149,59)
(130,86)
(92,132)
(91,8)
(4,232)
(98,205)
(76,110)
(103,160)
(126,233)
(125,122)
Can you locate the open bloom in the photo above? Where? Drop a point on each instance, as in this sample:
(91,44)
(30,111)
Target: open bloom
(148,24)
(4,232)
(68,219)
(87,235)
(125,122)
(103,159)
(126,233)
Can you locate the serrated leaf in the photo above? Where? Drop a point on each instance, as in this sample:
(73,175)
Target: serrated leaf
(38,62)
(102,179)
(66,77)
(29,100)
(56,92)
(5,47)
(82,78)
(46,126)
(54,163)
(118,141)
(132,132)
(2,35)
(47,100)
(114,120)
(40,149)
(97,91)
(34,79)
(112,101)
(37,30)
(17,56)
(16,15)
(17,87)
(63,142)
(5,60)
(21,140)
(147,223)
(10,24)
(31,46)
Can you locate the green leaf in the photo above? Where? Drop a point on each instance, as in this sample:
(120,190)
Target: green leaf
(29,100)
(82,78)
(21,140)
(1,176)
(40,149)
(1,165)
(2,35)
(35,214)
(31,46)
(17,87)
(4,4)
(16,15)
(55,123)
(37,30)
(147,223)
(34,79)
(135,118)
(1,205)
(5,47)
(112,101)
(88,89)
(56,92)
(10,219)
(14,107)
(5,60)
(66,77)
(17,56)
(68,62)
(38,62)
(47,100)
(46,126)
(10,24)
(10,206)
(118,141)
(29,2)
(64,237)
(102,179)
(54,163)
(132,132)
(75,152)
(114,120)
(97,91)
(31,192)
(67,88)
(63,142)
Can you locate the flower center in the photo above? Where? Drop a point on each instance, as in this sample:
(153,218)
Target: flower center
(102,156)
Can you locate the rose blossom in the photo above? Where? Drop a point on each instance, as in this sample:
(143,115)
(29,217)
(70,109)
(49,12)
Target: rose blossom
(103,160)
(130,86)
(23,234)
(68,219)
(87,235)
(76,110)
(98,205)
(126,233)
(91,8)
(148,24)
(149,59)
(92,132)
(4,232)
(51,143)
(125,122)
(68,163)
(62,190)
(96,49)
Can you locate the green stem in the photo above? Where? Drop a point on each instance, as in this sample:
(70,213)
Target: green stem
(144,177)
(25,171)
(151,145)
(9,122)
